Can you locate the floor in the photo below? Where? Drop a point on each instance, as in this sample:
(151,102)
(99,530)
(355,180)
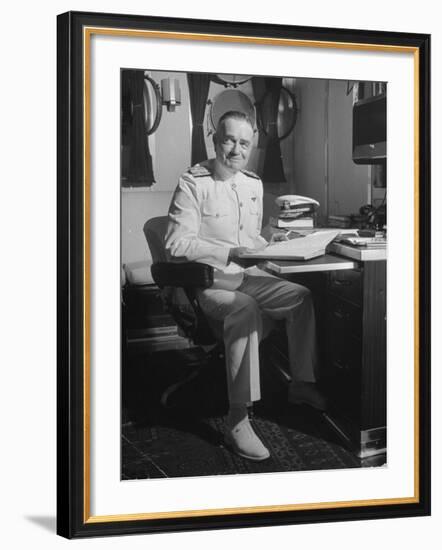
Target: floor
(185,438)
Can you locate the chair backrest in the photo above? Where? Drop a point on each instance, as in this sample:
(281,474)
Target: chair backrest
(182,304)
(155,232)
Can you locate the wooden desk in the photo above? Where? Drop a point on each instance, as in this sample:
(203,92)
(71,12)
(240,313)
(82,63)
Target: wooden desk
(350,301)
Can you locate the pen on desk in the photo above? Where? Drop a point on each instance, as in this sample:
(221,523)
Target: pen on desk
(296,234)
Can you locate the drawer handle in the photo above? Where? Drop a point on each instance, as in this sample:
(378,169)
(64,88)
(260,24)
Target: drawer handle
(342,282)
(340,365)
(341,315)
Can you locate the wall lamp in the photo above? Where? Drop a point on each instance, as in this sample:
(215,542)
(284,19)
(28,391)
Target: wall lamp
(169,94)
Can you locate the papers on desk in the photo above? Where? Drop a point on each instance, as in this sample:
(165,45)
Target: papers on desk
(373,242)
(302,248)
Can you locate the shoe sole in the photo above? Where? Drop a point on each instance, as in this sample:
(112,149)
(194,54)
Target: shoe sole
(232,447)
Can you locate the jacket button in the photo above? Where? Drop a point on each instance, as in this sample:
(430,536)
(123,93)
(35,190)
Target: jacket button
(241,226)
(233,185)
(241,205)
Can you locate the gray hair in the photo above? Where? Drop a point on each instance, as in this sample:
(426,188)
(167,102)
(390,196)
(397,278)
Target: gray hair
(236,115)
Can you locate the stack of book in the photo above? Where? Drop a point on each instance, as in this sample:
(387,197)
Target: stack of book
(148,326)
(157,338)
(295,212)
(339,221)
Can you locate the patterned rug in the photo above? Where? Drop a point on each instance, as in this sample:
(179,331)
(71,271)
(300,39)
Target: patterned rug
(197,449)
(188,439)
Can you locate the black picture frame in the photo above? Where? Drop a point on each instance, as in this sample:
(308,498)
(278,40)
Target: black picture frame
(73,515)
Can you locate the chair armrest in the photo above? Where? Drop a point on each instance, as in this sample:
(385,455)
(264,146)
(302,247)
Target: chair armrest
(186,275)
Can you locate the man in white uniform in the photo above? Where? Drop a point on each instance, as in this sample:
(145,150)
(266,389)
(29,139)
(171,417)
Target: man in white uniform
(215,215)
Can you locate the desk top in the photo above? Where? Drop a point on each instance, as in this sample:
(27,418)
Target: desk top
(328,262)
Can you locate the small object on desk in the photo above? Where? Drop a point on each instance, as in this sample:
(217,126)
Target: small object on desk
(376,233)
(379,242)
(294,234)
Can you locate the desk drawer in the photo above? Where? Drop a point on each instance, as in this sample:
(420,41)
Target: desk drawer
(343,318)
(345,355)
(341,375)
(346,284)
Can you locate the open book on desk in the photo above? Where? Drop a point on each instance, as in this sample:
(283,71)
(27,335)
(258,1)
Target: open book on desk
(301,248)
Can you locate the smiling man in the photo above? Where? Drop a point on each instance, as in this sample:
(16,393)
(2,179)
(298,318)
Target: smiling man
(215,215)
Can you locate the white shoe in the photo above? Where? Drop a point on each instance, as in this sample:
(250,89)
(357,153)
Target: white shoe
(244,442)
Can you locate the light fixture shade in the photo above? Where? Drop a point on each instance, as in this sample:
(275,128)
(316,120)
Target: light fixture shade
(171,93)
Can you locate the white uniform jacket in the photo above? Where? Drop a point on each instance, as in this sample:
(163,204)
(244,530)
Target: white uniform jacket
(208,216)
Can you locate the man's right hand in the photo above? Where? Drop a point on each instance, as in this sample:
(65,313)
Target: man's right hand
(278,237)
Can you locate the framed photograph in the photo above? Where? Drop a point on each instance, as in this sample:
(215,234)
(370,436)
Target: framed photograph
(243,278)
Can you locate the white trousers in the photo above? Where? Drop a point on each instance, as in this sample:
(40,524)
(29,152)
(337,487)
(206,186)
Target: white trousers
(243,315)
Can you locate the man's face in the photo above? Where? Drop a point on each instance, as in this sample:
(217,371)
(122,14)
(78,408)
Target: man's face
(233,144)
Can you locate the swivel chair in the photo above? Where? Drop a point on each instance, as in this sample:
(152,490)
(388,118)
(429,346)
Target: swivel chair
(178,283)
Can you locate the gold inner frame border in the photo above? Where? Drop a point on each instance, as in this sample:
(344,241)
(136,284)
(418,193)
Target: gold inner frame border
(88,32)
